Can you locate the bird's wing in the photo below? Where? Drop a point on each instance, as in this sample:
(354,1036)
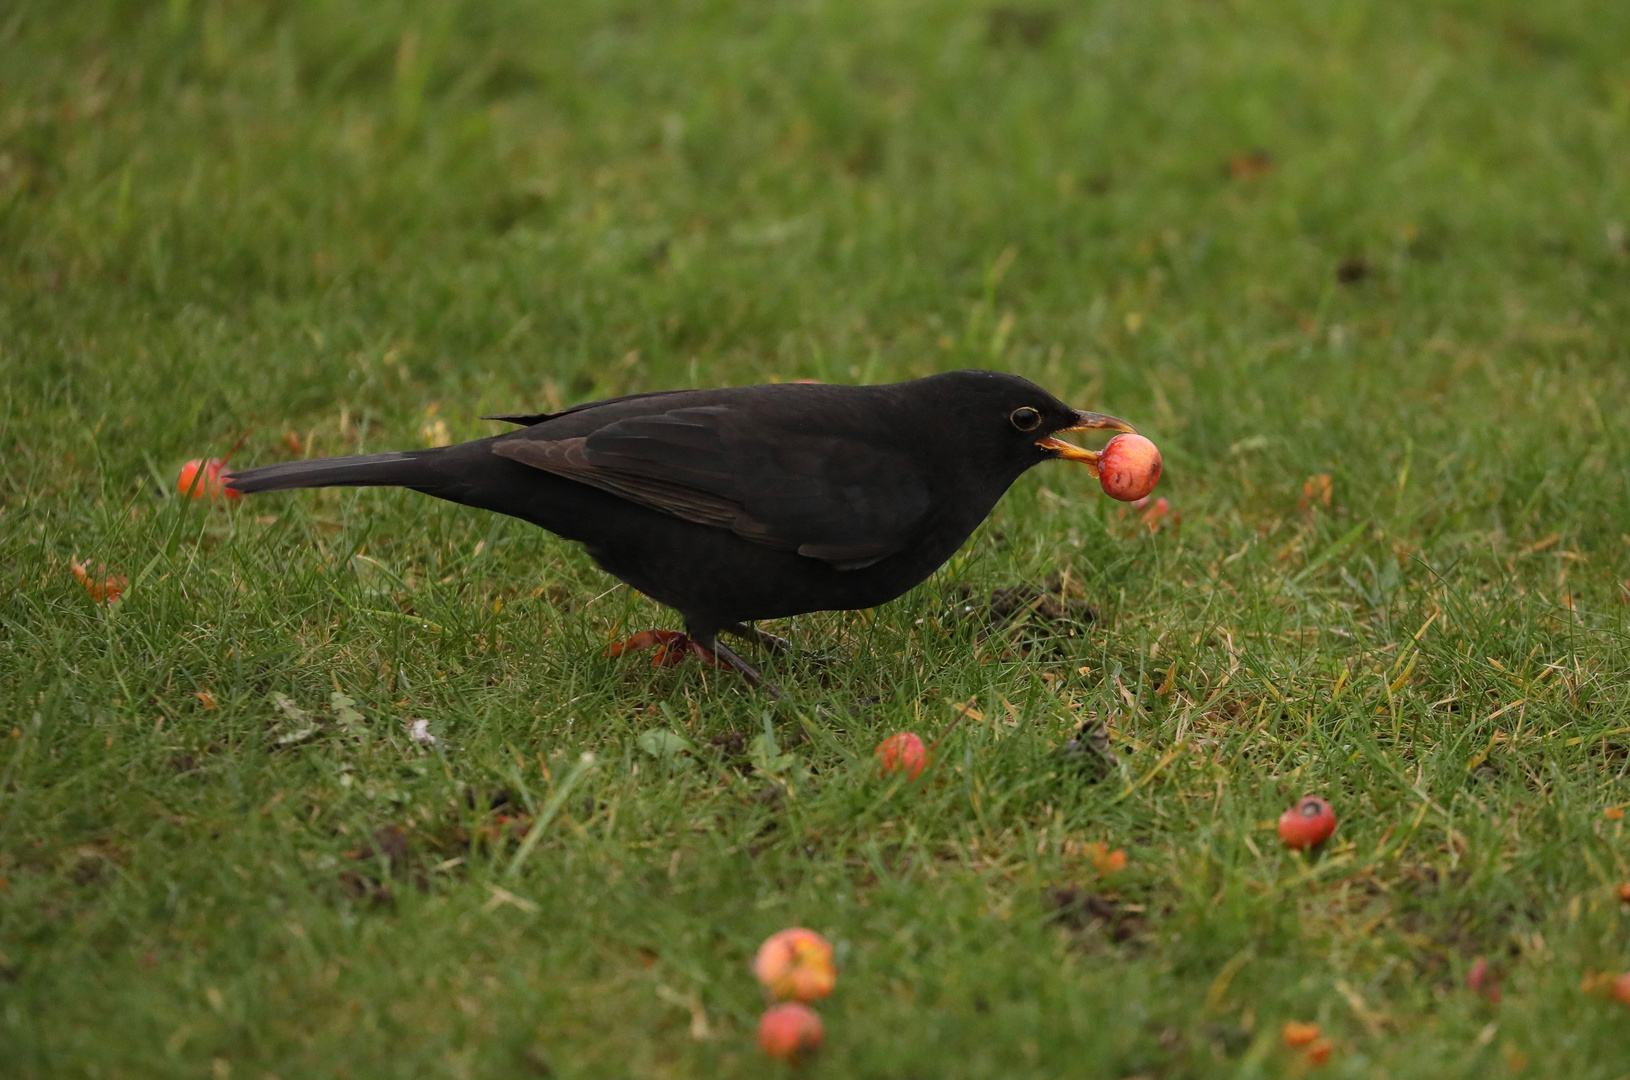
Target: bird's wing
(830,497)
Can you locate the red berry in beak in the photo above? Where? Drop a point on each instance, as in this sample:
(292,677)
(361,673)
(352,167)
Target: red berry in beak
(201,479)
(1128,467)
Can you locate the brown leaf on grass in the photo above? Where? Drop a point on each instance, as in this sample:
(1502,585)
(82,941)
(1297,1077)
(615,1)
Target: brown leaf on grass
(1315,489)
(1596,983)
(1296,1034)
(1250,165)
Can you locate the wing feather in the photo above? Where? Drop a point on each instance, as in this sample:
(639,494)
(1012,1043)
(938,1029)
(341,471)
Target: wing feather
(830,497)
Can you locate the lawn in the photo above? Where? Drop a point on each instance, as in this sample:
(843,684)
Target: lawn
(1359,268)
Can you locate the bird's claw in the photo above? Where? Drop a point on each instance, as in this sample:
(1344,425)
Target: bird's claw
(670,645)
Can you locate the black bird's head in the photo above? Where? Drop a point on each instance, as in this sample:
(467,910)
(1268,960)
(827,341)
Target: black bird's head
(1008,424)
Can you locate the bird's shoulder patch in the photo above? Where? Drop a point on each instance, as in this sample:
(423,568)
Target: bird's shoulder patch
(568,458)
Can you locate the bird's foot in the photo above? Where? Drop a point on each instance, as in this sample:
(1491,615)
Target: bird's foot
(747,671)
(671,647)
(780,646)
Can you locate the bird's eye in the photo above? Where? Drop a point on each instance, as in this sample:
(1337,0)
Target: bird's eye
(1026,419)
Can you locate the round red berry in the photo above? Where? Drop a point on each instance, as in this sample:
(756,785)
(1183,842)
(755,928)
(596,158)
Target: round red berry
(1128,467)
(902,753)
(1307,824)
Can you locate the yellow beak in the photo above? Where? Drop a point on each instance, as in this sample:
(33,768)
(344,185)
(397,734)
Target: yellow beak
(1084,421)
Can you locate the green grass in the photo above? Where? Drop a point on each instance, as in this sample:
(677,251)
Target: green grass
(352,220)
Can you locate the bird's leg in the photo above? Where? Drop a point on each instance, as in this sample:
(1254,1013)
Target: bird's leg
(778,645)
(711,648)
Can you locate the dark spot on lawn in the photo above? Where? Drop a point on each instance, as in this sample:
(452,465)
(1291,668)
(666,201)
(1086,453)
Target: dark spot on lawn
(1087,752)
(1226,1039)
(183,763)
(387,857)
(93,865)
(1029,27)
(1078,909)
(1038,611)
(488,798)
(1352,270)
(732,748)
(537,1062)
(358,886)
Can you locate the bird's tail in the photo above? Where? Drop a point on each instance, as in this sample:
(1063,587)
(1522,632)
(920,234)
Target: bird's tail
(412,468)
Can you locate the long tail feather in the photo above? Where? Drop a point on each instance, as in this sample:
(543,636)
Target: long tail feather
(396,469)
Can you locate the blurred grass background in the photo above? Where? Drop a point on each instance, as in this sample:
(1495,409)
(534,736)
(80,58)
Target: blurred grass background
(1379,241)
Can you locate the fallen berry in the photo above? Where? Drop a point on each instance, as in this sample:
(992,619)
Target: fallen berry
(201,479)
(1479,981)
(902,753)
(1318,1052)
(1296,1034)
(1128,467)
(1307,824)
(102,589)
(790,1032)
(1621,988)
(795,964)
(1624,892)
(1105,861)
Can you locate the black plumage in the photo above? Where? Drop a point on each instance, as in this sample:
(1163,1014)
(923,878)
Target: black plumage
(747,503)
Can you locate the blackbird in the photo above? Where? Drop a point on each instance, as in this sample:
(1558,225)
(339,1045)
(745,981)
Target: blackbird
(755,502)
